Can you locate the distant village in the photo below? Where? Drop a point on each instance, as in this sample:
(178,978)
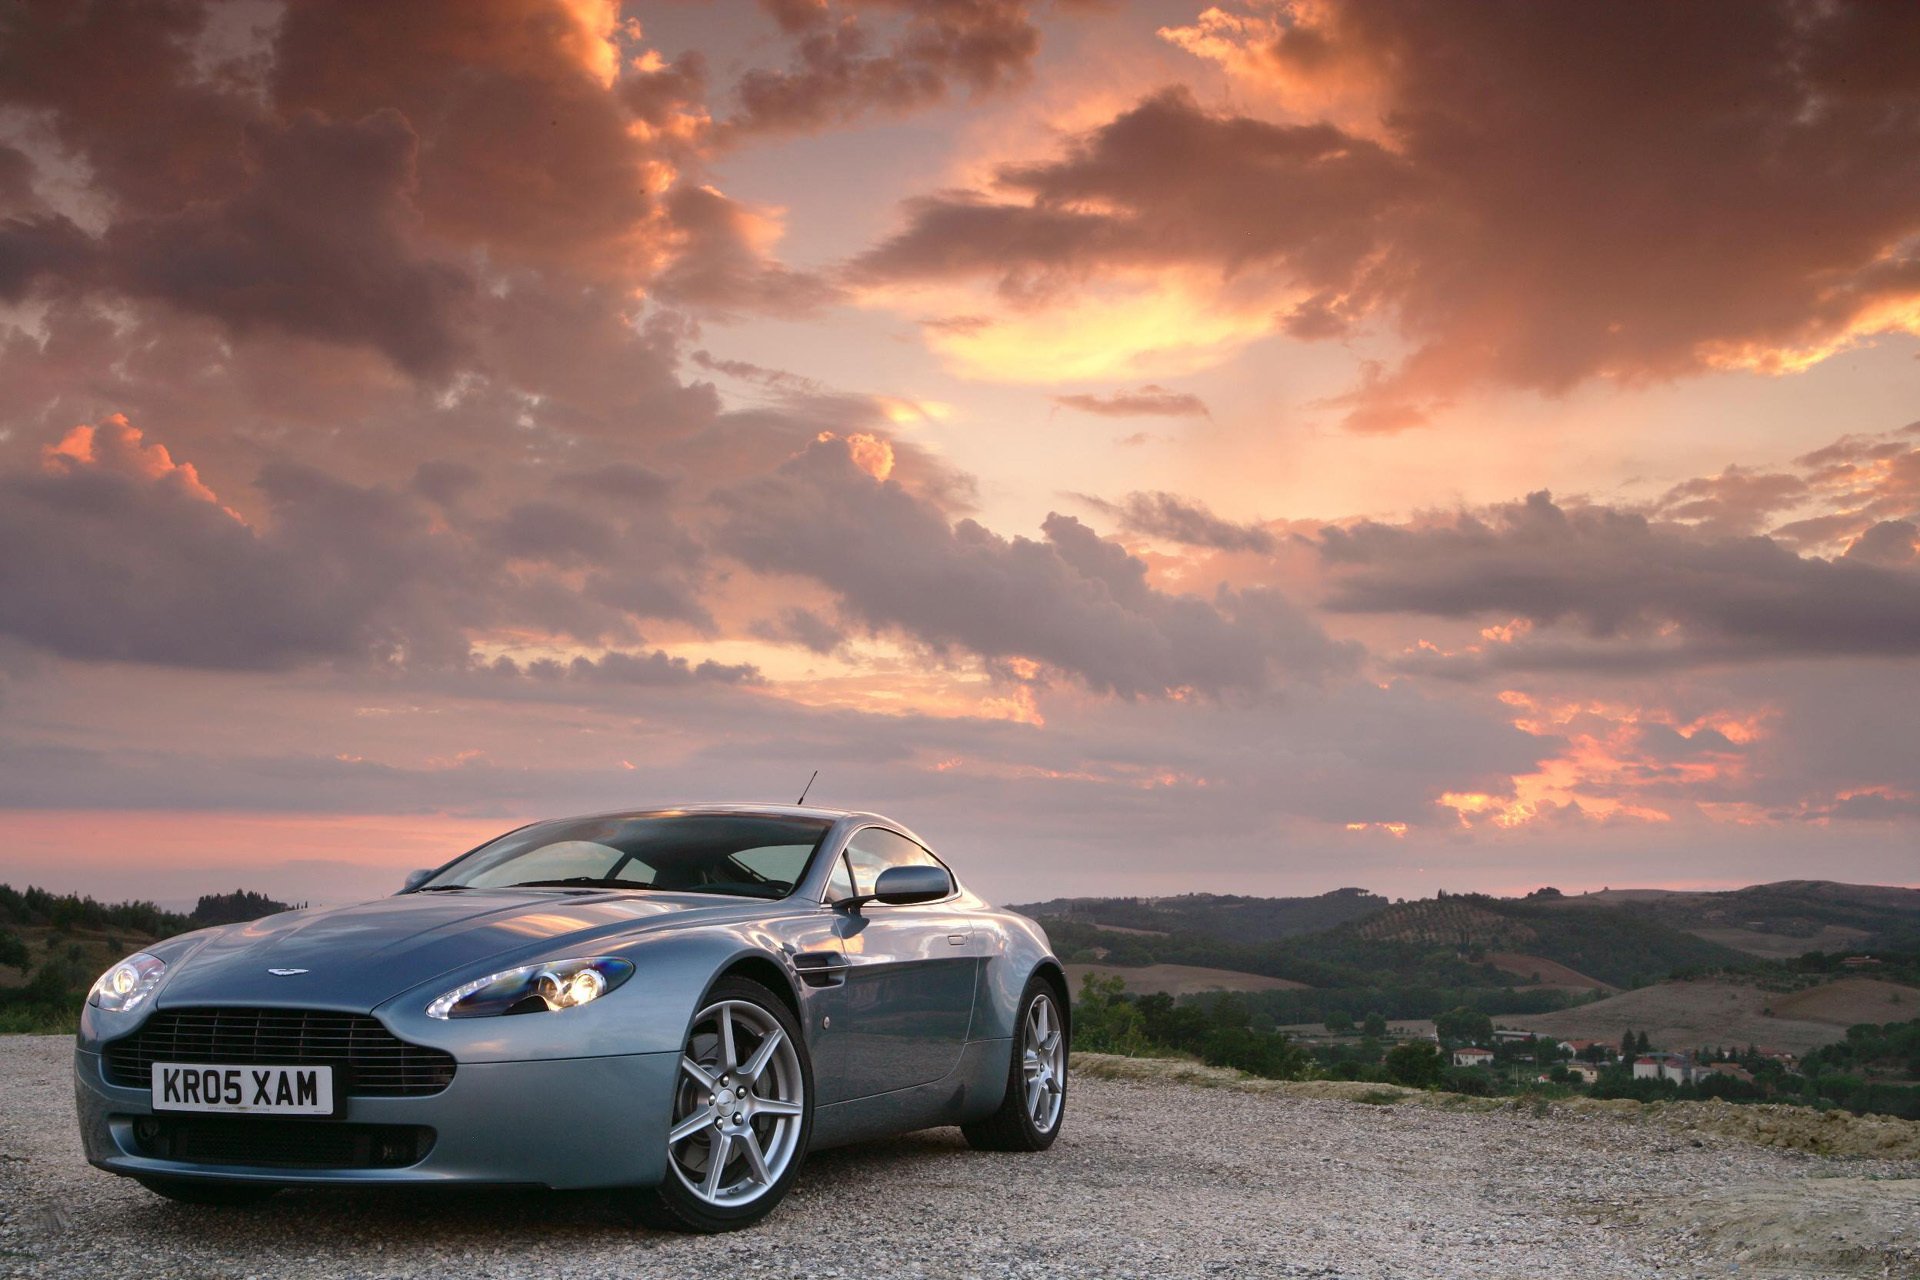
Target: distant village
(1582,1061)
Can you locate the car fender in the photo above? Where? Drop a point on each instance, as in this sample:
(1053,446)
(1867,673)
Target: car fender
(1018,949)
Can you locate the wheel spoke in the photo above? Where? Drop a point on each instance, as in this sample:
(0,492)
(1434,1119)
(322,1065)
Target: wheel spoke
(699,1073)
(1032,1064)
(769,1045)
(776,1107)
(694,1123)
(756,1158)
(716,1163)
(729,1057)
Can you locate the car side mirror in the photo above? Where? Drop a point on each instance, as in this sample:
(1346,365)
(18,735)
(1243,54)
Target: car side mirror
(416,878)
(901,885)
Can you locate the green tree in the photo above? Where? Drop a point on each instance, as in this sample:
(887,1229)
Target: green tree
(1375,1025)
(13,949)
(1105,1021)
(1339,1023)
(1462,1025)
(1416,1063)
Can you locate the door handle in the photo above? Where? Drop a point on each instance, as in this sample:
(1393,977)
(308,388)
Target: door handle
(958,939)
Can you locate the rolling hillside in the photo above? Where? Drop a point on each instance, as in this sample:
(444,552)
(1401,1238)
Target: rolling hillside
(1228,917)
(1617,948)
(1178,979)
(1779,920)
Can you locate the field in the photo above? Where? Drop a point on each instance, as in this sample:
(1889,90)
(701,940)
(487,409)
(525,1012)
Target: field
(1179,979)
(1780,946)
(1714,1012)
(1535,971)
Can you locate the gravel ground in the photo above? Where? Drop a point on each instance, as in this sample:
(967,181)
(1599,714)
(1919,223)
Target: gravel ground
(1148,1179)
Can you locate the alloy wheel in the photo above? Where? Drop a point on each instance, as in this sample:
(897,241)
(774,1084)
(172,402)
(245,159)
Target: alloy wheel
(738,1107)
(1044,1063)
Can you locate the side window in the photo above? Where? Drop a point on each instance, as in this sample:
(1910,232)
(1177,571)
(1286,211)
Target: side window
(840,882)
(874,849)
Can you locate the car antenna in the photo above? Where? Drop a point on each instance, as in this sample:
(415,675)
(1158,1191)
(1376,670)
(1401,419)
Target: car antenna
(803,791)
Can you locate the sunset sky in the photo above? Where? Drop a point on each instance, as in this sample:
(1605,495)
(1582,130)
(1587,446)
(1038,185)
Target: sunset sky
(1143,447)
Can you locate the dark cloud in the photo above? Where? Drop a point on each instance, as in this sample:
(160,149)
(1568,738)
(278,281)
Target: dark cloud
(1890,542)
(554,532)
(1074,601)
(320,242)
(721,271)
(1177,519)
(1630,591)
(107,565)
(1183,186)
(804,627)
(523,149)
(1712,184)
(444,481)
(32,249)
(634,669)
(1149,401)
(848,59)
(326,571)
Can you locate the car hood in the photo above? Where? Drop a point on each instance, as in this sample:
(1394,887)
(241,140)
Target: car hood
(360,956)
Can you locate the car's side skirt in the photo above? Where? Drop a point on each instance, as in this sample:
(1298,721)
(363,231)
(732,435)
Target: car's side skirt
(969,1092)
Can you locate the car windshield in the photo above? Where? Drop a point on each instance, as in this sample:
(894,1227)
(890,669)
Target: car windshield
(753,856)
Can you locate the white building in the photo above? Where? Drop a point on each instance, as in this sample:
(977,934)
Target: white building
(1677,1067)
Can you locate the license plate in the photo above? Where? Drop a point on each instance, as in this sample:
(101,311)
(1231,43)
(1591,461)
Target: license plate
(281,1091)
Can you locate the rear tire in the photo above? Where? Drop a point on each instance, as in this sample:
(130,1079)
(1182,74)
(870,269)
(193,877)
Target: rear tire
(1035,1105)
(231,1195)
(745,1041)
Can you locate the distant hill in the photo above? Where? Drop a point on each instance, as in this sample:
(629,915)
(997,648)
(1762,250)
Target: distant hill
(1779,920)
(1616,947)
(1228,917)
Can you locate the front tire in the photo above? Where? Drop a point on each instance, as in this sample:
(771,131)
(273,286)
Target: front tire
(742,1114)
(1036,1099)
(232,1195)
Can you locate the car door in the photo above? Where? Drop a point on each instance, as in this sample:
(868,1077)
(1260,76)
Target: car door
(911,973)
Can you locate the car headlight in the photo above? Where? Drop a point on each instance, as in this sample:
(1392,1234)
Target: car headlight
(533,988)
(126,986)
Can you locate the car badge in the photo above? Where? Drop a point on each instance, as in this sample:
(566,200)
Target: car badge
(285,973)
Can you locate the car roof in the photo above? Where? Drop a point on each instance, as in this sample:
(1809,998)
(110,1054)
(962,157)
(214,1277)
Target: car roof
(820,812)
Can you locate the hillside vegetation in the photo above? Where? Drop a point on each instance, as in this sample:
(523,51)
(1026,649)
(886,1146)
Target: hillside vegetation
(1786,918)
(1228,917)
(52,946)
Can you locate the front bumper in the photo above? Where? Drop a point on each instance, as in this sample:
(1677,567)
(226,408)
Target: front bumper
(557,1122)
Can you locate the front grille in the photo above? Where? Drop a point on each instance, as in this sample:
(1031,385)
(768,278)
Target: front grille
(368,1061)
(281,1144)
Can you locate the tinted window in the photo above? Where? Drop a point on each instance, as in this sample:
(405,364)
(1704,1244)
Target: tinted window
(875,849)
(759,857)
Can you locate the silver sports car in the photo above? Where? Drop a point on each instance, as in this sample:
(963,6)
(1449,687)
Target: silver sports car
(683,1002)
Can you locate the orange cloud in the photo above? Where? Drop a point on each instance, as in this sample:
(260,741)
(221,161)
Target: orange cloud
(116,446)
(872,454)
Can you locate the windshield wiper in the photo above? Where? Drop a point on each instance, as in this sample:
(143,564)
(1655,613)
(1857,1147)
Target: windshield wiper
(578,882)
(440,888)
